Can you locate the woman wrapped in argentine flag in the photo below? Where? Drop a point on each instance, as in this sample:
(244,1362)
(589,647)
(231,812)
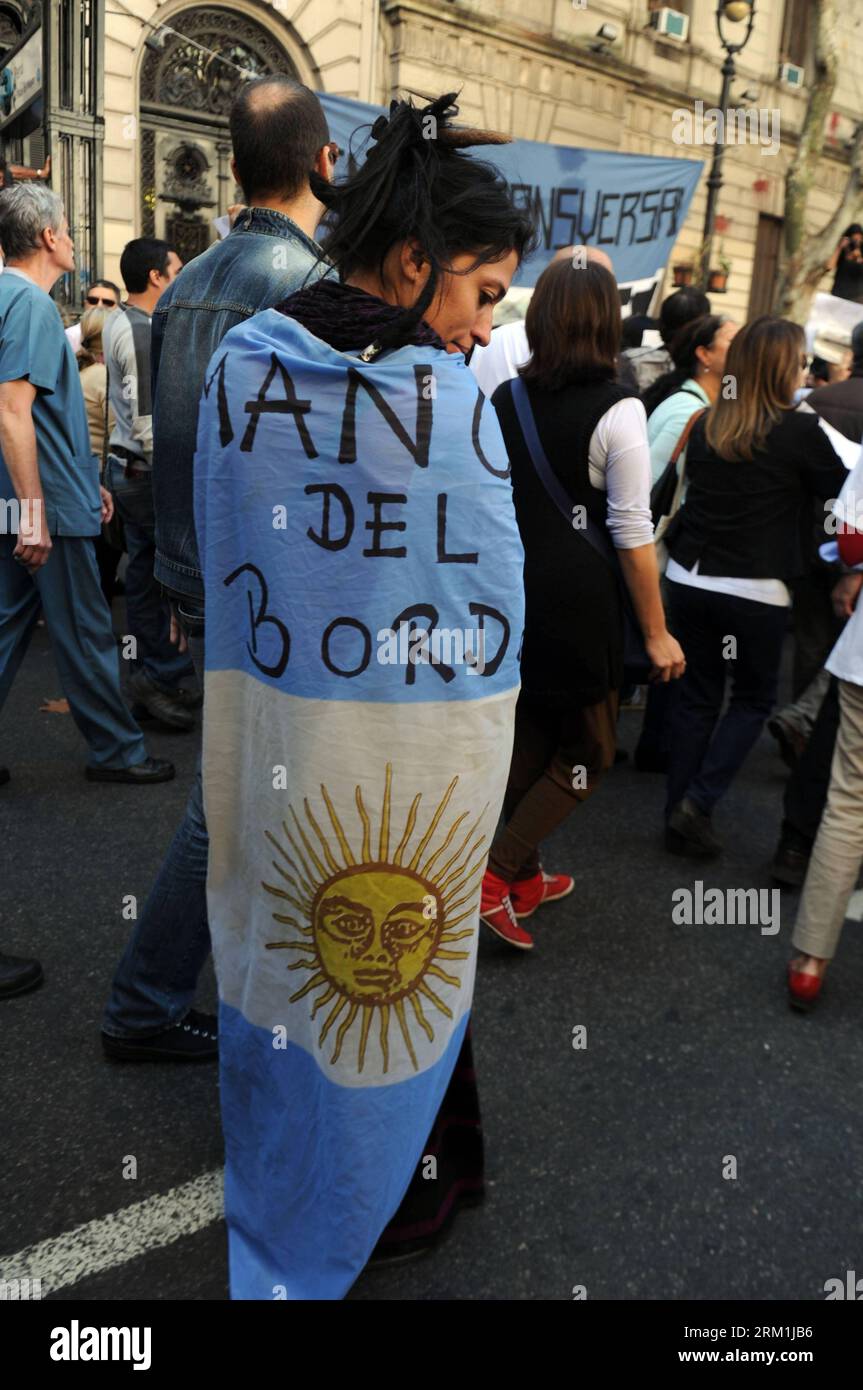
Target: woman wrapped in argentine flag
(363,574)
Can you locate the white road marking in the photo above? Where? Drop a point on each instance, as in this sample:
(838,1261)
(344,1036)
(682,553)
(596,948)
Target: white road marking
(114,1240)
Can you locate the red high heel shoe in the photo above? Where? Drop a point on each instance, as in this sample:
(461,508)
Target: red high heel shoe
(803,989)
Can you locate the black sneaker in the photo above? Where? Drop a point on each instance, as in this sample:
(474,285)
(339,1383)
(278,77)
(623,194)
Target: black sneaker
(150,770)
(791,859)
(792,744)
(689,832)
(18,975)
(156,703)
(194,1039)
(4,776)
(190,697)
(648,758)
(397,1252)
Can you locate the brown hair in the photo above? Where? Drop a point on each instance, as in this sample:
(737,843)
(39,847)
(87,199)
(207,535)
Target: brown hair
(764,363)
(573,326)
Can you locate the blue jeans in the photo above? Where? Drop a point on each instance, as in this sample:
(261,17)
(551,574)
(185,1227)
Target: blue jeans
(154,985)
(655,737)
(148,614)
(707,752)
(69,593)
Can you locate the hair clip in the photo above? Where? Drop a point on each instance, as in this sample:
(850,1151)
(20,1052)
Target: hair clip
(382,124)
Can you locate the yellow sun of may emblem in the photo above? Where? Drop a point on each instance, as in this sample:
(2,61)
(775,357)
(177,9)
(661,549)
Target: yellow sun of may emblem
(373,927)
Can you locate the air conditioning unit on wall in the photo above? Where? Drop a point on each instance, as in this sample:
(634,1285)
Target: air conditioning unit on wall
(791,75)
(671,24)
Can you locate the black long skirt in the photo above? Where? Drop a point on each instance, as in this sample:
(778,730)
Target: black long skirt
(456,1144)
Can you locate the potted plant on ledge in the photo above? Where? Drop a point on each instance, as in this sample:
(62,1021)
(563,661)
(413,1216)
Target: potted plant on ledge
(717,280)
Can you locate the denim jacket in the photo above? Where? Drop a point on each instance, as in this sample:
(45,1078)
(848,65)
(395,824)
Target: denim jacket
(265,258)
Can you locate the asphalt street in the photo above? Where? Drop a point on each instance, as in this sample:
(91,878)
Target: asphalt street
(605,1163)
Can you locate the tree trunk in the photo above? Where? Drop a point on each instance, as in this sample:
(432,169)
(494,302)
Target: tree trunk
(805,256)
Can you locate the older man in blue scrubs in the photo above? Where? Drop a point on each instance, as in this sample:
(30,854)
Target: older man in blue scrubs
(51,506)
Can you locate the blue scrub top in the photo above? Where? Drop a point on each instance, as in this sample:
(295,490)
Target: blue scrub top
(33,345)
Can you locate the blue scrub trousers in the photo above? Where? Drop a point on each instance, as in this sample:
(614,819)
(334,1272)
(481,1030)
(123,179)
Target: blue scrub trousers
(68,591)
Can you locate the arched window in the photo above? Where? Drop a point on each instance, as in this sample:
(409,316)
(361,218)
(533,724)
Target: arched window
(11,27)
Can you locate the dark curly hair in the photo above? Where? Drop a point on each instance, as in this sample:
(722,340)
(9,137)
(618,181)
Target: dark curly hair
(416,183)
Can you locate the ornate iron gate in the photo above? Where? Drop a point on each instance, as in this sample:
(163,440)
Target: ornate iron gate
(189,78)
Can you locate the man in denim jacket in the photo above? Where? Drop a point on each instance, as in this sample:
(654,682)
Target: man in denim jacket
(279,134)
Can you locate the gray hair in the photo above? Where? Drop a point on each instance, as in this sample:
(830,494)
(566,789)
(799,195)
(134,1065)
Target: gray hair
(26,209)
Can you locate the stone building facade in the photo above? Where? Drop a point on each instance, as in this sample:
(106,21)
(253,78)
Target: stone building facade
(536,69)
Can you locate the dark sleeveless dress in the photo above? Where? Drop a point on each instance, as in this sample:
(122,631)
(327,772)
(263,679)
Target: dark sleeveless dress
(572,653)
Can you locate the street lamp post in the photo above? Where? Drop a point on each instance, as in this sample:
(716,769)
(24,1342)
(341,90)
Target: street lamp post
(735,11)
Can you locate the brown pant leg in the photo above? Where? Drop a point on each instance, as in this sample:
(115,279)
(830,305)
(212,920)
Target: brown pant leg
(545,793)
(534,742)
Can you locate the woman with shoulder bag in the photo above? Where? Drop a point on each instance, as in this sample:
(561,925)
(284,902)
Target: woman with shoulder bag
(699,351)
(585,556)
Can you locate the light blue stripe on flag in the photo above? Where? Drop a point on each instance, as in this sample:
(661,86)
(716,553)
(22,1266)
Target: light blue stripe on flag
(322,1196)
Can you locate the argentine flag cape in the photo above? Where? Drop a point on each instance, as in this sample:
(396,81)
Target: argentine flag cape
(363,576)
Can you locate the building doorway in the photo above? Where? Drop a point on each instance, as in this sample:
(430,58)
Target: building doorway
(190,75)
(768,245)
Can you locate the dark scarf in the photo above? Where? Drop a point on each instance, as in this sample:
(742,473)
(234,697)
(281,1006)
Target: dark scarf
(348,318)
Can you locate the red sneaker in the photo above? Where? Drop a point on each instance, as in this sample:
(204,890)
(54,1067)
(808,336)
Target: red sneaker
(528,894)
(495,909)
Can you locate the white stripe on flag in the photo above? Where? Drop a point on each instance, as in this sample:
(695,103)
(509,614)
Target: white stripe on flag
(122,1236)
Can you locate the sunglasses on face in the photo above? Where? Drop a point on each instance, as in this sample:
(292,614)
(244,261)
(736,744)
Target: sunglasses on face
(106,303)
(334,153)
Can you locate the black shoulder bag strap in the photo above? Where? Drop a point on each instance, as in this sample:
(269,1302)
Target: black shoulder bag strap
(634,655)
